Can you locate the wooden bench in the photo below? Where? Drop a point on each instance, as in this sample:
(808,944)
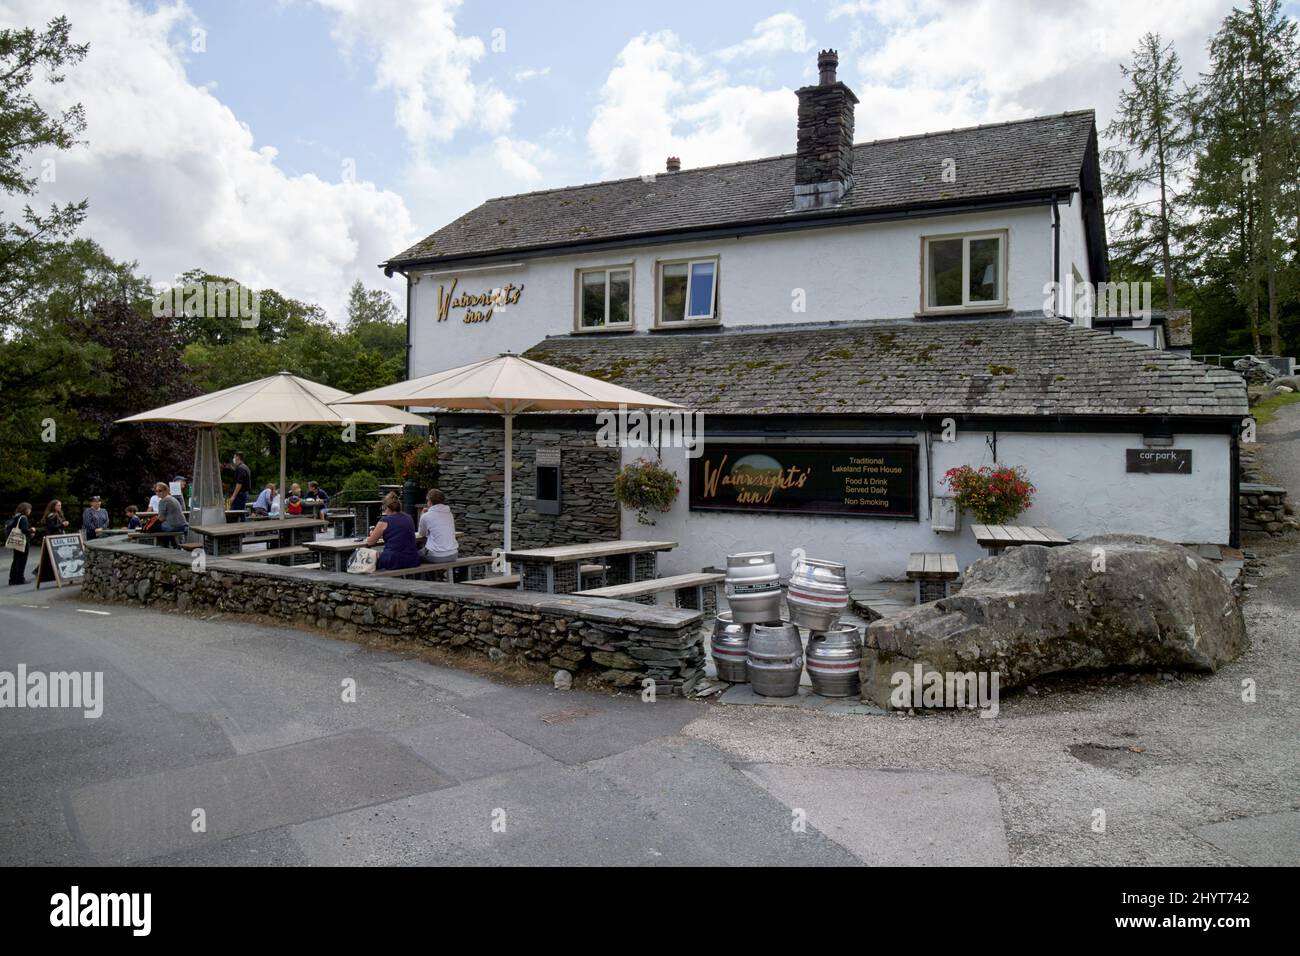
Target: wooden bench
(167,539)
(696,592)
(447,569)
(500,581)
(932,571)
(419,569)
(278,555)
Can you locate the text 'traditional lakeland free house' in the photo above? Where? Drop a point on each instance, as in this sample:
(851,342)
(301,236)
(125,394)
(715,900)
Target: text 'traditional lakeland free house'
(888,303)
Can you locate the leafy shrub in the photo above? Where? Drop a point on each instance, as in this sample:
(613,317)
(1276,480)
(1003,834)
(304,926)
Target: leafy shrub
(644,486)
(361,483)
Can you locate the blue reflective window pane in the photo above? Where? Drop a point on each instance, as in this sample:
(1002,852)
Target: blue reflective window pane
(701,290)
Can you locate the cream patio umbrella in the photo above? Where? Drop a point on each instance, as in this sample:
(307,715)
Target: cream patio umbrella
(283,403)
(508,384)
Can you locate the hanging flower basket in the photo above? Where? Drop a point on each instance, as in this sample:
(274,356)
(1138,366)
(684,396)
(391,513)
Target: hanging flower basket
(644,486)
(992,495)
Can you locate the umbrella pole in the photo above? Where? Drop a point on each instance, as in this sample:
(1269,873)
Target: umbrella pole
(510,442)
(284,444)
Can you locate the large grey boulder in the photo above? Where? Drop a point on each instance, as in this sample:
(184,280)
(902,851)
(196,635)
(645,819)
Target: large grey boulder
(1113,601)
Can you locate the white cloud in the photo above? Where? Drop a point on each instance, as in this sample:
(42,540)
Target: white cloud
(936,64)
(664,99)
(425,63)
(523,76)
(176,181)
(780,33)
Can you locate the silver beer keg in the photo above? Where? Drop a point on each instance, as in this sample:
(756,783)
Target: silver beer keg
(775,660)
(753,587)
(835,660)
(730,647)
(818,594)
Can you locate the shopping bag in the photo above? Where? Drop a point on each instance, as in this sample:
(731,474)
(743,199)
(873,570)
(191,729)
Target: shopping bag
(363,561)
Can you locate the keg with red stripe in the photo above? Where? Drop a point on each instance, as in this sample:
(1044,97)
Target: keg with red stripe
(818,594)
(729,646)
(834,660)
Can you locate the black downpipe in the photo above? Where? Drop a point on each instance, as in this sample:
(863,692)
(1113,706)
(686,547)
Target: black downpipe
(408,326)
(1056,254)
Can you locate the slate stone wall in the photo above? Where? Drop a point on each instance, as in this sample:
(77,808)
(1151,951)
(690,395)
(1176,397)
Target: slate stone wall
(472,475)
(1264,508)
(618,642)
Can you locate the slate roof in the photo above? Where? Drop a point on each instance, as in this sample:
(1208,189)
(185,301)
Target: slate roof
(1009,365)
(1020,158)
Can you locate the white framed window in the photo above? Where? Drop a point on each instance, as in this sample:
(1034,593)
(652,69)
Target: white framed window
(964,272)
(688,292)
(604,299)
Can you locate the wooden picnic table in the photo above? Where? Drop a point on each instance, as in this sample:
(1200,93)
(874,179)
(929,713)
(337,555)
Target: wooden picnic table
(219,539)
(558,570)
(335,553)
(996,537)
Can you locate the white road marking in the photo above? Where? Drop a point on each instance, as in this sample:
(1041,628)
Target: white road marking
(82,610)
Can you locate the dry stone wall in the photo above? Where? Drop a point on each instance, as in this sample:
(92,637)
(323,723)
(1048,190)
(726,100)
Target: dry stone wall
(618,642)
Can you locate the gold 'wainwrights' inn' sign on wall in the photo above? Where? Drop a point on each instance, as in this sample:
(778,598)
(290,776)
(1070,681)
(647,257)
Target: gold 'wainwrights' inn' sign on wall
(478,306)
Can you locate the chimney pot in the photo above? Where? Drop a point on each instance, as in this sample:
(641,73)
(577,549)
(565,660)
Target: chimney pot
(674,164)
(827,62)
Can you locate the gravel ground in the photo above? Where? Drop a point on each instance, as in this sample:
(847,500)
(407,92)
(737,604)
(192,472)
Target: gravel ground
(1161,755)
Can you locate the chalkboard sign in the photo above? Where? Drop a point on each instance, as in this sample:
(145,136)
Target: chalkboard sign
(1158,461)
(865,481)
(63,559)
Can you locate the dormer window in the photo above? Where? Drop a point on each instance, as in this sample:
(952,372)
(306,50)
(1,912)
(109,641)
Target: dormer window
(688,292)
(604,299)
(964,273)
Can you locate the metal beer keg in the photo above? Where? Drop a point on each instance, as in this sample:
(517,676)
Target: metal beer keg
(730,647)
(775,659)
(834,661)
(818,594)
(753,587)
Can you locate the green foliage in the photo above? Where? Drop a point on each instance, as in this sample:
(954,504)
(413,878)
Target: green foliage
(993,495)
(1153,148)
(644,486)
(360,482)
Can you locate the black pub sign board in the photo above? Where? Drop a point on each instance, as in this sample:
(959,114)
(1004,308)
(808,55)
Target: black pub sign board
(857,480)
(1158,461)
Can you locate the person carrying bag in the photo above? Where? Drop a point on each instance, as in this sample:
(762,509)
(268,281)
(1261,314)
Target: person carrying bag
(18,536)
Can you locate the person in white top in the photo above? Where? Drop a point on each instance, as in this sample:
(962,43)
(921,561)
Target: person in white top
(439,529)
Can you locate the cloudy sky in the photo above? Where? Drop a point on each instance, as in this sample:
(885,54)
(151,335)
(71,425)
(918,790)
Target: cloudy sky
(296,144)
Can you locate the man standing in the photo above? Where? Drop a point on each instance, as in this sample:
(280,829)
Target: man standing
(243,483)
(94,519)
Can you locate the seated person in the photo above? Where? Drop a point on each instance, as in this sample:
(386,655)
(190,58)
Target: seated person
(266,502)
(132,520)
(294,505)
(439,529)
(317,492)
(170,515)
(398,533)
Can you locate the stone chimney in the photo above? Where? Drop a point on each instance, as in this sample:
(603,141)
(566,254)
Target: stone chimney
(823,165)
(674,164)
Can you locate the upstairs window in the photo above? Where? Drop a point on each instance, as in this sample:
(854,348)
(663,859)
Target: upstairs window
(964,272)
(688,291)
(605,298)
